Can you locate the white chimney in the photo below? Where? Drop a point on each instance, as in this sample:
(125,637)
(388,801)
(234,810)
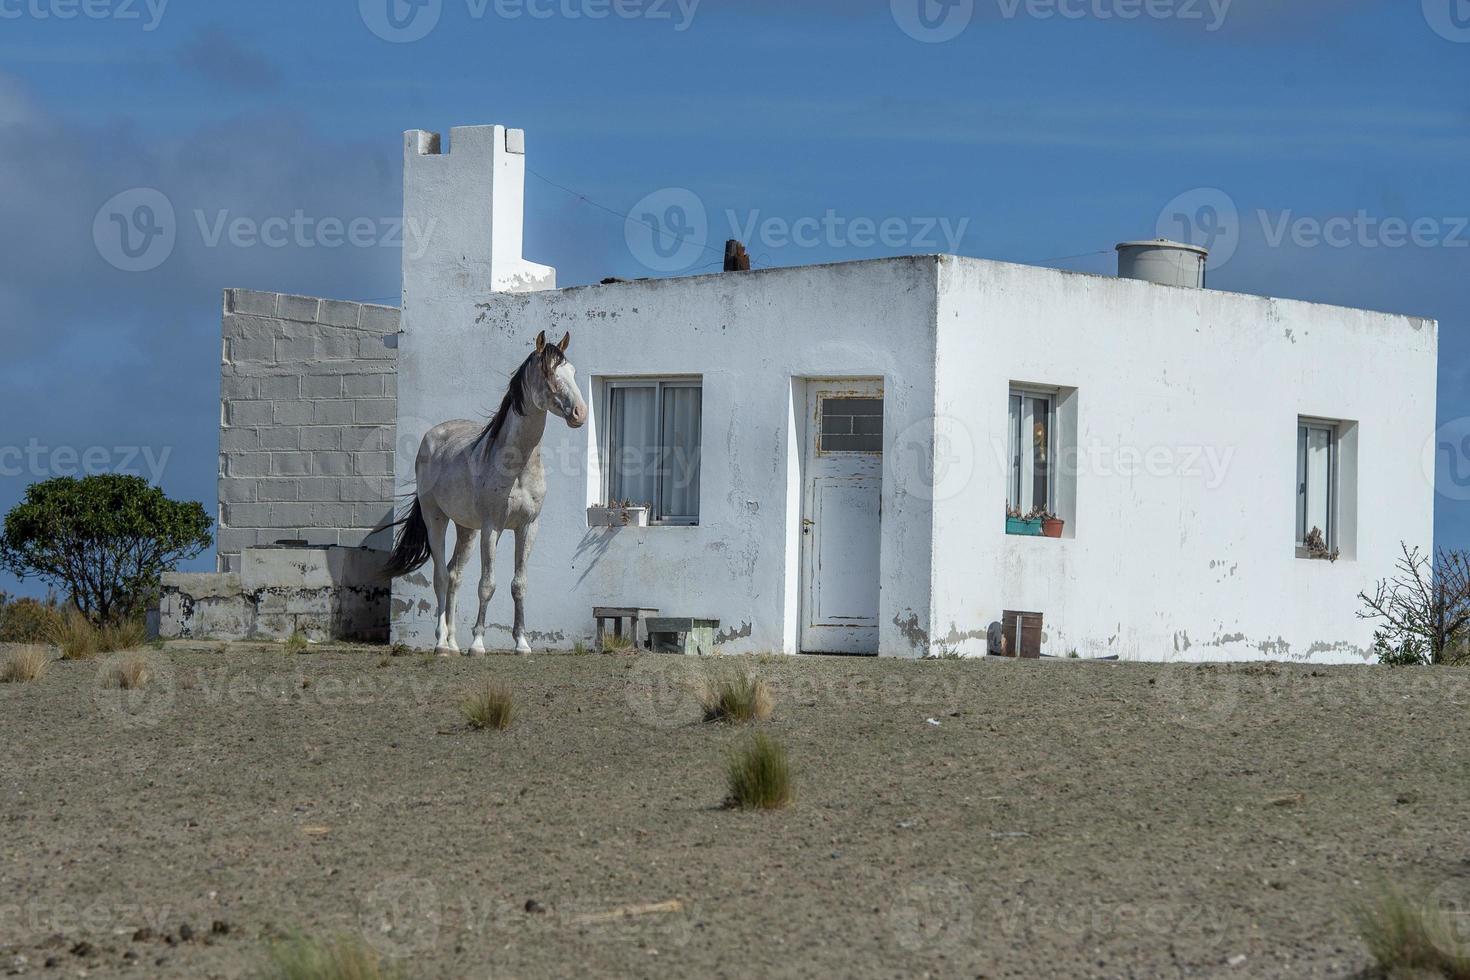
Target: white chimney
(463,215)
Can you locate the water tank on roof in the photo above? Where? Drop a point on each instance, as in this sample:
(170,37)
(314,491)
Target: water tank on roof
(1164,262)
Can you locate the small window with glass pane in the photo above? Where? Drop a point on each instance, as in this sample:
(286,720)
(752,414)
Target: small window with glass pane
(1316,484)
(653,447)
(1031,439)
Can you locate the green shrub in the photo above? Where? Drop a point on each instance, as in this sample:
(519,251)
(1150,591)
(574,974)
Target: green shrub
(759,775)
(297,642)
(302,958)
(1409,652)
(28,620)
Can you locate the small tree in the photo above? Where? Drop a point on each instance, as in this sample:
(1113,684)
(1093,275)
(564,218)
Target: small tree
(1426,605)
(104,539)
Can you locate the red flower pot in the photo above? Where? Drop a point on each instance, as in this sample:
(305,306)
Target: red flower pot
(1052,528)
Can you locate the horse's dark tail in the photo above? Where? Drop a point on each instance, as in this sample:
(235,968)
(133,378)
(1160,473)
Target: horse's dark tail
(411,547)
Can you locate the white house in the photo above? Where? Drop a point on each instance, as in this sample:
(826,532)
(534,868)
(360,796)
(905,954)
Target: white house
(827,450)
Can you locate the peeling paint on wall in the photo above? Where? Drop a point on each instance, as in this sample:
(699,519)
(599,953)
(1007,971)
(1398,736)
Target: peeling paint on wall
(744,632)
(910,630)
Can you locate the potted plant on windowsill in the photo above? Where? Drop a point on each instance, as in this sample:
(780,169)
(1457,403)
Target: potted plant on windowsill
(1025,525)
(1051,524)
(1314,546)
(1039,523)
(618,514)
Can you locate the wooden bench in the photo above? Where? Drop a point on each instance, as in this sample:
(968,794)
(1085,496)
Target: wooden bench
(637,618)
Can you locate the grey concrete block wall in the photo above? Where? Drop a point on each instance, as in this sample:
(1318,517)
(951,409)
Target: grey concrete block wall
(308,405)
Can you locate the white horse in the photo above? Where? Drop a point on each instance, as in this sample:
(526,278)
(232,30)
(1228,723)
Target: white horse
(490,478)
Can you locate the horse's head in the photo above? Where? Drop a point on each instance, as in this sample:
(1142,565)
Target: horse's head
(556,388)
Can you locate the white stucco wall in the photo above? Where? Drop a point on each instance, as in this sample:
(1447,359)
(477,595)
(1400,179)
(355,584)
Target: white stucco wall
(1169,561)
(748,335)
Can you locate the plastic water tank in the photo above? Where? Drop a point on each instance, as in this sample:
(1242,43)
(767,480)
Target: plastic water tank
(1164,262)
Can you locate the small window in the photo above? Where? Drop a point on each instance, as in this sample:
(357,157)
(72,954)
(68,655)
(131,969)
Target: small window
(1031,435)
(653,448)
(1316,482)
(851,425)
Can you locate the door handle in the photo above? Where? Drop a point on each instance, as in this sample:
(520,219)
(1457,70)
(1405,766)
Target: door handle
(807,524)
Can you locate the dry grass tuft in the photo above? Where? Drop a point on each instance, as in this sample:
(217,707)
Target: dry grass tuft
(76,636)
(490,706)
(129,673)
(612,643)
(297,643)
(24,664)
(1410,937)
(79,639)
(738,696)
(337,959)
(759,775)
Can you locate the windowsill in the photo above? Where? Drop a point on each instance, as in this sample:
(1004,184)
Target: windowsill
(1303,555)
(651,526)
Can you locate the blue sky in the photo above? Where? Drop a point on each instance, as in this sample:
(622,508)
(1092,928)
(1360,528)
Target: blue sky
(1043,130)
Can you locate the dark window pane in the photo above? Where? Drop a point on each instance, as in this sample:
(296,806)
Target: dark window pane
(852,425)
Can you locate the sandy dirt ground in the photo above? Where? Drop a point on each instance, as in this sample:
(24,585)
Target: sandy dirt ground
(953,819)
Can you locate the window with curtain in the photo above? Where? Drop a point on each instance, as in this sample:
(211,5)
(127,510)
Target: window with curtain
(1030,429)
(1316,477)
(653,447)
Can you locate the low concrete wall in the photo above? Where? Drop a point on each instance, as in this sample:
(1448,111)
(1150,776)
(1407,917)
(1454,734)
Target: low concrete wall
(326,593)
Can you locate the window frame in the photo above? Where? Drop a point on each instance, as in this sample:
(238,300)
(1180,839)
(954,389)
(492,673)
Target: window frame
(659,384)
(1016,480)
(1304,426)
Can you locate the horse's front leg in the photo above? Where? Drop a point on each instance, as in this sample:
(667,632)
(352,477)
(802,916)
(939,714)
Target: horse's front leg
(525,539)
(487,585)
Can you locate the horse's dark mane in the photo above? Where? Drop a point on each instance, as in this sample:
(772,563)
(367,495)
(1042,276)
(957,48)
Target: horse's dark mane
(515,395)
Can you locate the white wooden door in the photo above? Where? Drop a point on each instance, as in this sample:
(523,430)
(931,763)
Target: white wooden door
(841,510)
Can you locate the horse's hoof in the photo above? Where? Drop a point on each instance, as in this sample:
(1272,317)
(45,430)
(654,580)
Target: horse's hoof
(447,651)
(523,649)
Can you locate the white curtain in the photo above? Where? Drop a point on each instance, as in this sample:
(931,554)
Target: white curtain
(634,448)
(681,421)
(1314,471)
(1013,486)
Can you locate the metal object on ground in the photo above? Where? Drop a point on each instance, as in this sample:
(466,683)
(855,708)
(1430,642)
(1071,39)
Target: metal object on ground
(681,634)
